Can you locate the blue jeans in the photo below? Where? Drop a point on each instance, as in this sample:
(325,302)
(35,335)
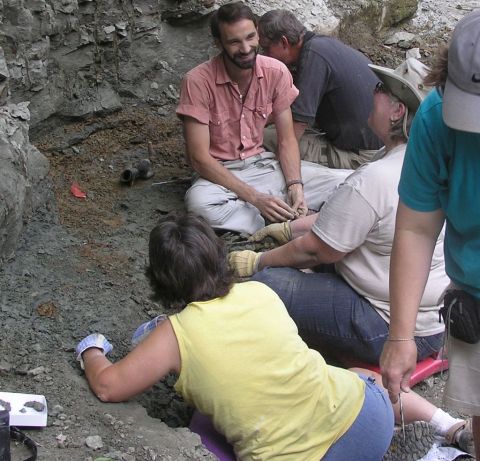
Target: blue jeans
(333,318)
(369,437)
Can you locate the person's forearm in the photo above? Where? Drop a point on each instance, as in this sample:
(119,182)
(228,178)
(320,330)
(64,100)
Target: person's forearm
(96,364)
(304,252)
(415,238)
(409,270)
(299,128)
(289,157)
(302,225)
(215,172)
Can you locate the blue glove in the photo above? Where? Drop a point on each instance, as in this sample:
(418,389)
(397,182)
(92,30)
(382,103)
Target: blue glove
(94,340)
(146,328)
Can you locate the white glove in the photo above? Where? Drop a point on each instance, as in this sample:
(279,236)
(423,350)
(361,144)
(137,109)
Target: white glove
(96,340)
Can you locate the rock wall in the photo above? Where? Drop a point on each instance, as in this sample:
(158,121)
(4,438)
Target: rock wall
(23,169)
(73,58)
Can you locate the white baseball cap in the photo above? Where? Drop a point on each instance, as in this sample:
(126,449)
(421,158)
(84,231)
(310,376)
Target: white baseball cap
(461,96)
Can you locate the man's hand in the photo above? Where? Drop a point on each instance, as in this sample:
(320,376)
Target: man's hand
(272,208)
(244,263)
(279,231)
(297,200)
(95,340)
(397,363)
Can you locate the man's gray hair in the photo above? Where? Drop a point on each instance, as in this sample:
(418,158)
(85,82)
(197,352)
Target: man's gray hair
(276,23)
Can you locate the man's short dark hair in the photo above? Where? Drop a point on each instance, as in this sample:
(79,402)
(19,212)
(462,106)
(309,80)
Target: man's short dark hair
(230,13)
(277,23)
(188,262)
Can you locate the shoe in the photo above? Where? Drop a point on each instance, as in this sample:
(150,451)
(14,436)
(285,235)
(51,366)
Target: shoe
(142,170)
(460,435)
(145,169)
(419,438)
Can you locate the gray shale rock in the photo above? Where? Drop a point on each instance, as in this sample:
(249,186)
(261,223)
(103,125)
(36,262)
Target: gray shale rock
(73,58)
(22,170)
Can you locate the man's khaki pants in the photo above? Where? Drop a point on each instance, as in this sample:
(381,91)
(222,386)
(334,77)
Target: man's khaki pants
(224,210)
(315,147)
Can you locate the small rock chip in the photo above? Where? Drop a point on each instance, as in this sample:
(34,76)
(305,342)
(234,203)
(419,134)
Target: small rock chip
(6,405)
(36,371)
(94,442)
(5,367)
(61,439)
(37,406)
(57,409)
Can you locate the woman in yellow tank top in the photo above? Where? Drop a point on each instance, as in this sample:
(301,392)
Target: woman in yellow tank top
(239,360)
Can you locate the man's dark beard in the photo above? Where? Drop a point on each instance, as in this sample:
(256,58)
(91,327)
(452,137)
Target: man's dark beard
(242,65)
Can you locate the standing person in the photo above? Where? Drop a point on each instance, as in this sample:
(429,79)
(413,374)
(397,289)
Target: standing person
(240,361)
(335,83)
(224,106)
(440,182)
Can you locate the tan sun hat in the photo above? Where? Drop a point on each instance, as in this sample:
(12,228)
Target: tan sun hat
(405,82)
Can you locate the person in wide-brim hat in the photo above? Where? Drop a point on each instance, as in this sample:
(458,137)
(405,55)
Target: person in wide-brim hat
(405,83)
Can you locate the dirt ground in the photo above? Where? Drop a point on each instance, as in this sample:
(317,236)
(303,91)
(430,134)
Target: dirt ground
(79,269)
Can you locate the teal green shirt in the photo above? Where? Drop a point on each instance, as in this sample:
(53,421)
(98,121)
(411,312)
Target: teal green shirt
(442,170)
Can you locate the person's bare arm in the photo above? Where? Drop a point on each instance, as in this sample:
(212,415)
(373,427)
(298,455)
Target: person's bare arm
(299,128)
(302,225)
(304,252)
(197,139)
(289,157)
(147,364)
(415,236)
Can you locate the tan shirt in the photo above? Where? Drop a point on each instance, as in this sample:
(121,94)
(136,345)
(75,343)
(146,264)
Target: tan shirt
(359,219)
(236,124)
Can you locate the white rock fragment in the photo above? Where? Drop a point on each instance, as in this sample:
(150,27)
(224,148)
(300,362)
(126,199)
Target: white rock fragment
(399,37)
(413,53)
(109,29)
(94,442)
(61,439)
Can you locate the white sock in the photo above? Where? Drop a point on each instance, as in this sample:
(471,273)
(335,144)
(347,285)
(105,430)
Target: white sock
(442,422)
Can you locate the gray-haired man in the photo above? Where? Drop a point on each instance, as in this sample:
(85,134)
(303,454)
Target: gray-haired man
(335,84)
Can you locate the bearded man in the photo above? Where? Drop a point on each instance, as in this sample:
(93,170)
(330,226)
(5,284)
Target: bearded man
(224,106)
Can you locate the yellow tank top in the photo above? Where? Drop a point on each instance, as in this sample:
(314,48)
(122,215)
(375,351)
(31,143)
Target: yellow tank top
(243,364)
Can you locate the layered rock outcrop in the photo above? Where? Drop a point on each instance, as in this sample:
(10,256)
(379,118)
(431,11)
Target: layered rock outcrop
(23,168)
(73,58)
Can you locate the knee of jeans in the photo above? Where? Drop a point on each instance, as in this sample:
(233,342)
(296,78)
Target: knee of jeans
(281,280)
(274,276)
(429,345)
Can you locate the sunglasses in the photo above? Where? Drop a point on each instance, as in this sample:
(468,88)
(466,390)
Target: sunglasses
(380,88)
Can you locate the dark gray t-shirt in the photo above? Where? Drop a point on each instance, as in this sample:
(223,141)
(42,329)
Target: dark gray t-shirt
(336,92)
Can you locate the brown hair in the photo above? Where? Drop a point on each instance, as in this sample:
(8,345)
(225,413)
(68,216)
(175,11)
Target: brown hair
(188,262)
(439,71)
(230,13)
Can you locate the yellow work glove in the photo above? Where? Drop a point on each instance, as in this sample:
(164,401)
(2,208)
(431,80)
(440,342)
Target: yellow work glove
(244,263)
(279,231)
